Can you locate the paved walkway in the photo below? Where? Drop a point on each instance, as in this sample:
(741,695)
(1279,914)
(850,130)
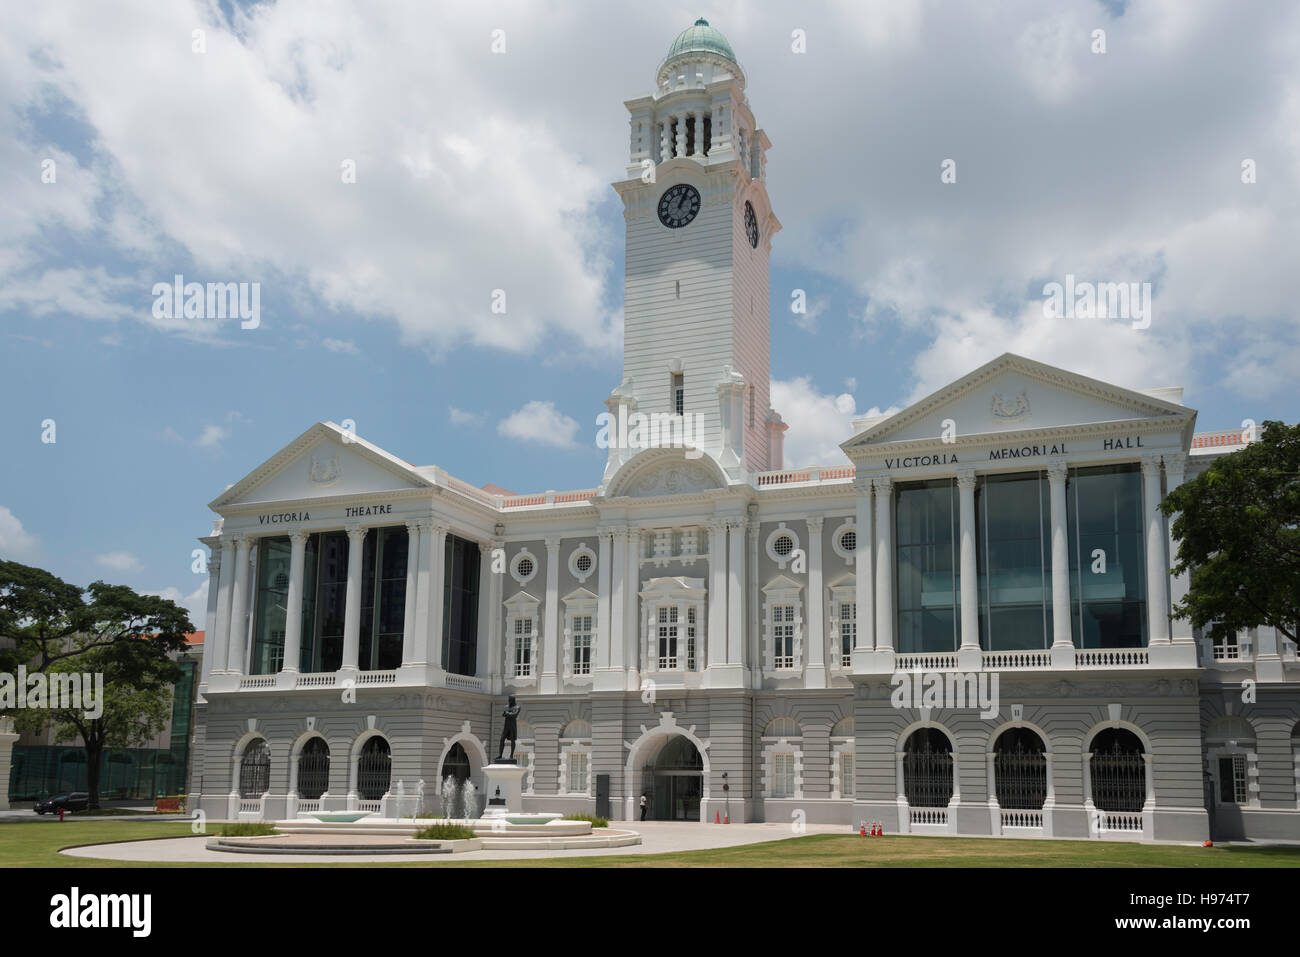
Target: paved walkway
(657,837)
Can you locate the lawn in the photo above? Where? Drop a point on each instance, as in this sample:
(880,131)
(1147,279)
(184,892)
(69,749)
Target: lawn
(33,844)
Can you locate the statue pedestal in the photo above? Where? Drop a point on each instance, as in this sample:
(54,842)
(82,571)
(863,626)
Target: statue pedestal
(503,789)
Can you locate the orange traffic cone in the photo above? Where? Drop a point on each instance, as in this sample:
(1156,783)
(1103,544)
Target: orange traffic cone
(880,829)
(727,819)
(862,829)
(717,817)
(1208,844)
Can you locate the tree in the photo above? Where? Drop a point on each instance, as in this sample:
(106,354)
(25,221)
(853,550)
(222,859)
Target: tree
(53,627)
(40,615)
(136,703)
(1238,528)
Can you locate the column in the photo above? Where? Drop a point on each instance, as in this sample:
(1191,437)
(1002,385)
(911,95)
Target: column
(736,629)
(293,611)
(221,621)
(699,135)
(1175,473)
(496,651)
(863,582)
(632,610)
(715,129)
(352,608)
(616,679)
(665,145)
(549,681)
(603,578)
(1062,632)
(420,625)
(815,673)
(968,656)
(1157,567)
(238,603)
(412,591)
(883,488)
(681,134)
(483,660)
(717,593)
(753,654)
(434,541)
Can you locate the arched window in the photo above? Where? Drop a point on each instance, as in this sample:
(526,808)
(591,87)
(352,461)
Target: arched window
(1020,770)
(1118,771)
(313,769)
(255,769)
(455,764)
(927,768)
(1231,750)
(374,769)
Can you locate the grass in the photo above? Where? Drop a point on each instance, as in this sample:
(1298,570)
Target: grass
(245,829)
(593,819)
(445,832)
(35,844)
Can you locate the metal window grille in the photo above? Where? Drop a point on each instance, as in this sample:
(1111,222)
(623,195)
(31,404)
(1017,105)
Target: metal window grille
(374,769)
(846,773)
(848,631)
(577,771)
(1020,777)
(927,770)
(255,770)
(1232,779)
(783,775)
(1118,778)
(849,541)
(313,769)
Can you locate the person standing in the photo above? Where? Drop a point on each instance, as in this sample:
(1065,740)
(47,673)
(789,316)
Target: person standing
(645,806)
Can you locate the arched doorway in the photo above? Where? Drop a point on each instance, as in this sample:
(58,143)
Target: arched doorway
(374,769)
(674,783)
(313,769)
(927,769)
(455,764)
(1020,770)
(1118,771)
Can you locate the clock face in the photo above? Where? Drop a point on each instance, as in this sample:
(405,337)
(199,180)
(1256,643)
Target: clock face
(751,225)
(679,205)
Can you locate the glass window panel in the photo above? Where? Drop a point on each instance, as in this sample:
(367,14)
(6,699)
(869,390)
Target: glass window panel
(272,606)
(1108,566)
(926,563)
(331,600)
(1014,586)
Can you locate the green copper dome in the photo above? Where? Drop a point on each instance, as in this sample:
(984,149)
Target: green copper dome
(701,38)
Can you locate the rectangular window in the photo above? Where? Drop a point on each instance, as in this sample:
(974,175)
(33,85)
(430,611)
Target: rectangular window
(272,606)
(782,775)
(523,647)
(1013,549)
(679,393)
(783,636)
(581,629)
(1232,779)
(690,638)
(577,771)
(1107,557)
(848,631)
(460,597)
(925,519)
(667,638)
(846,774)
(331,600)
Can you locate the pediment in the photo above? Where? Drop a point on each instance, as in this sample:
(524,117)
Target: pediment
(521,598)
(782,583)
(1012,394)
(325,461)
(580,594)
(660,472)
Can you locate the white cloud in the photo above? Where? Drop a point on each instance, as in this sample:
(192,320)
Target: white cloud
(462,417)
(818,422)
(345,346)
(16,543)
(212,436)
(119,561)
(196,602)
(540,423)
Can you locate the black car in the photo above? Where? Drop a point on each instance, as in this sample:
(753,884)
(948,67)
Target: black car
(74,801)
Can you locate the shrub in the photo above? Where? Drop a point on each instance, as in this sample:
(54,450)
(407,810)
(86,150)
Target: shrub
(246,829)
(445,832)
(591,818)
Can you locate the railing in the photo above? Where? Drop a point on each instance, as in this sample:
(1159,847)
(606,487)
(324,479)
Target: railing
(377,678)
(470,491)
(1119,821)
(467,682)
(252,806)
(310,807)
(928,815)
(564,498)
(317,680)
(932,661)
(1111,657)
(521,501)
(801,476)
(257,681)
(1013,818)
(372,806)
(1220,439)
(1017,660)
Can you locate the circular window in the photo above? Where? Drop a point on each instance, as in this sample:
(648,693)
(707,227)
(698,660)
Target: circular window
(845,542)
(783,546)
(582,562)
(525,568)
(849,541)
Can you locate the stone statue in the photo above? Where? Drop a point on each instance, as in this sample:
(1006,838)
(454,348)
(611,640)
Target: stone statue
(509,732)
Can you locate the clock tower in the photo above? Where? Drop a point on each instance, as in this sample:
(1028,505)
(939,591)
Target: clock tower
(699,238)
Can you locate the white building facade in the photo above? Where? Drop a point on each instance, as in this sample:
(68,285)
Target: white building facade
(730,638)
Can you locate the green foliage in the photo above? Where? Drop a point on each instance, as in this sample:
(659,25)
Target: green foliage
(593,819)
(445,832)
(246,829)
(1238,528)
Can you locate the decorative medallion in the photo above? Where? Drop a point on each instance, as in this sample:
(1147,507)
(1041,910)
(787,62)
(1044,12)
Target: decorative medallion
(326,473)
(1010,408)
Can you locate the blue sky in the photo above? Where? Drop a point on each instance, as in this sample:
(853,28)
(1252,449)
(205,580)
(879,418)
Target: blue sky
(479,171)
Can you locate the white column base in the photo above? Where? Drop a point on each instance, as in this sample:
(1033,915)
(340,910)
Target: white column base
(1062,657)
(969,659)
(609,679)
(1166,654)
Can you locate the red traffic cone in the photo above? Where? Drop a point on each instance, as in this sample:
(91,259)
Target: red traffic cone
(880,829)
(717,817)
(862,829)
(1208,844)
(727,819)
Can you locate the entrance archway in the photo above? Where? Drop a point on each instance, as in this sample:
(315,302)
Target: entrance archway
(641,767)
(674,783)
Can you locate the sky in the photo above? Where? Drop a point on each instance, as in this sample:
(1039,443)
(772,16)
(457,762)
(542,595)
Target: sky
(388,172)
